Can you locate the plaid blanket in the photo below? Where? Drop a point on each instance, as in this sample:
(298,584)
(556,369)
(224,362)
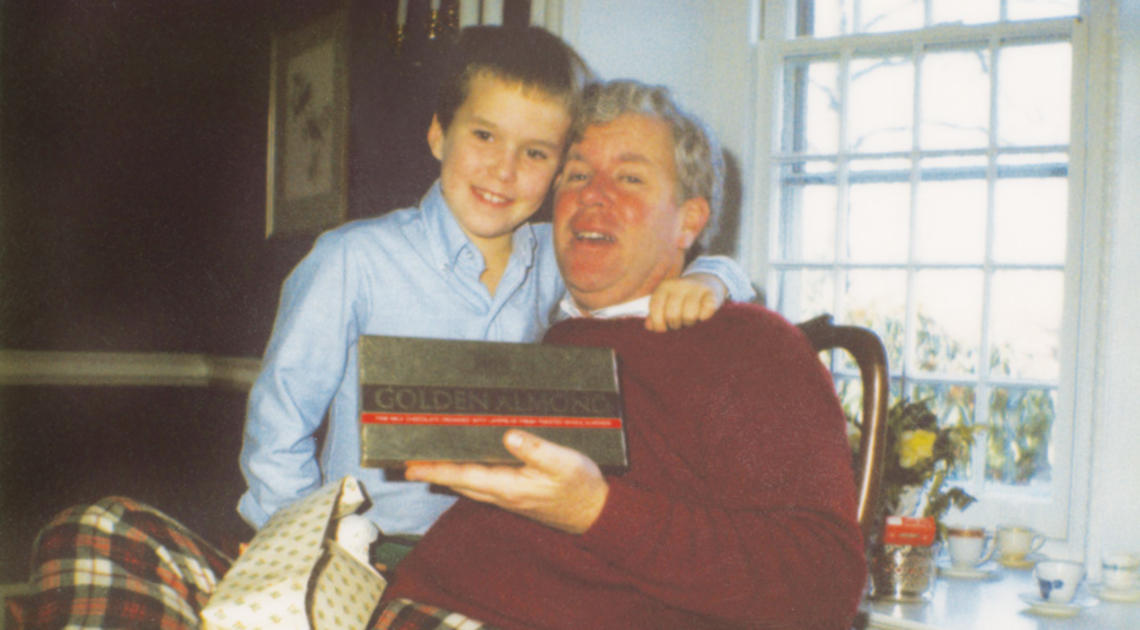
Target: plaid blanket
(121,564)
(118,564)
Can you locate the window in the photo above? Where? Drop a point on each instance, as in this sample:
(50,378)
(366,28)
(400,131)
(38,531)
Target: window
(925,182)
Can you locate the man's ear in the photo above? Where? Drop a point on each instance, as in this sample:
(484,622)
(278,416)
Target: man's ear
(435,137)
(694,216)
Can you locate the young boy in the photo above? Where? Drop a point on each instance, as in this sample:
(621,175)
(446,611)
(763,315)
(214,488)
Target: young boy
(463,265)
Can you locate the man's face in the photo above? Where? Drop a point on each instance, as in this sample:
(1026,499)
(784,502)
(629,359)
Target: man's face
(618,227)
(498,157)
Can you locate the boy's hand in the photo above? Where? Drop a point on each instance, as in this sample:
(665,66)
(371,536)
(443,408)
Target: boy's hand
(684,301)
(558,486)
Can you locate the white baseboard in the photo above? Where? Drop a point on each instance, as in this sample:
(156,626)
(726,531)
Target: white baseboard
(23,367)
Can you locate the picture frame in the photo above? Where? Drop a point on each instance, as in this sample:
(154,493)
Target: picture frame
(307,154)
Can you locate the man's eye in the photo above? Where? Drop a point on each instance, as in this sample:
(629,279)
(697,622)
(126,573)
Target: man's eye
(575,177)
(631,179)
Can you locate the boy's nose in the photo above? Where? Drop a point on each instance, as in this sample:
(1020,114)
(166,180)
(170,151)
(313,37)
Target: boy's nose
(507,167)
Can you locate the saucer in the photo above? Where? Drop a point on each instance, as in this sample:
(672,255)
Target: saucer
(1053,609)
(1028,562)
(966,573)
(1115,595)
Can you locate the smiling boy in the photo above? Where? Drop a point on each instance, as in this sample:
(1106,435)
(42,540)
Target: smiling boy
(464,264)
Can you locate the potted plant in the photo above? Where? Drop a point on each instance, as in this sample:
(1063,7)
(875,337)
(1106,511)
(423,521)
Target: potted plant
(919,455)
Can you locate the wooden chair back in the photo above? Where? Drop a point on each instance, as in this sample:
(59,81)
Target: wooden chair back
(870,356)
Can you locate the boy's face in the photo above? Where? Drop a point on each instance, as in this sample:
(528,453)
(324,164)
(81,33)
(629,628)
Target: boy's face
(498,157)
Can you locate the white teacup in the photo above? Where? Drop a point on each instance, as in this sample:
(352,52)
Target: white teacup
(968,546)
(1057,580)
(1119,571)
(1015,542)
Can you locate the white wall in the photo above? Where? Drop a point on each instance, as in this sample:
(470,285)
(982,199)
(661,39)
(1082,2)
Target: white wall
(703,50)
(1115,509)
(700,49)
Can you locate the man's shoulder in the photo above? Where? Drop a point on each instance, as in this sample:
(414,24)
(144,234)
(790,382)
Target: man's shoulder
(746,314)
(751,325)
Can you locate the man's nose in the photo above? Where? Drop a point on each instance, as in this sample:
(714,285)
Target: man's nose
(596,191)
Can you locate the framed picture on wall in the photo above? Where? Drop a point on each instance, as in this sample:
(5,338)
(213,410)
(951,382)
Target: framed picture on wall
(306,162)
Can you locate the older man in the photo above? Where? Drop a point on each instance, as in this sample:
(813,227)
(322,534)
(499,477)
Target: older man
(738,508)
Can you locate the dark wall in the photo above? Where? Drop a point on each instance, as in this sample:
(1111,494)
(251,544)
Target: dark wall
(132,218)
(133,178)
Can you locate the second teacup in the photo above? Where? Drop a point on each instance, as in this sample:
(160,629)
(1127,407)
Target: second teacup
(1015,542)
(968,546)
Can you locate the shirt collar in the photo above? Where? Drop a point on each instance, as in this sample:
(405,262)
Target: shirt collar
(638,307)
(448,240)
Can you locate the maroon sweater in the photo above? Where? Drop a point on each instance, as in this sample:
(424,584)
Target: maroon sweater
(737,510)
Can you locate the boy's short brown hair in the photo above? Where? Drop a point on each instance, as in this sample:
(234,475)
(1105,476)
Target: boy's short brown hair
(530,56)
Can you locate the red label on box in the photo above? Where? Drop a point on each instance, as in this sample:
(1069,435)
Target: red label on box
(909,530)
(488,421)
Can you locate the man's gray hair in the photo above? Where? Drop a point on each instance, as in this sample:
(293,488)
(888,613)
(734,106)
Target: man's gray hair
(700,164)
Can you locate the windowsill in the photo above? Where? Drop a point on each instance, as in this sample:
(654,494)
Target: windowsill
(962,604)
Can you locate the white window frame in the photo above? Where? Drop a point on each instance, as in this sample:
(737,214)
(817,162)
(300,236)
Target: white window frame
(1063,517)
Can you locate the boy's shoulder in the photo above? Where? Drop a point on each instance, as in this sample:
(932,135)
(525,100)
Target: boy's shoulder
(387,225)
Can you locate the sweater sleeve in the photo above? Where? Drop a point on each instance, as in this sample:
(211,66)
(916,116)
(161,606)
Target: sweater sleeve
(778,543)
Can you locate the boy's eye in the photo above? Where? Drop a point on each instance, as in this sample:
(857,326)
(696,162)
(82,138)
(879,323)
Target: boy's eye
(575,176)
(482,134)
(536,154)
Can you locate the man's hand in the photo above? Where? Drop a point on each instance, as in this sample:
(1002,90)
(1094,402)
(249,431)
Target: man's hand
(558,486)
(684,301)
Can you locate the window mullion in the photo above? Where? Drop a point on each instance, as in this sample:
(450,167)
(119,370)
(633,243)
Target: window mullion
(842,192)
(910,327)
(984,391)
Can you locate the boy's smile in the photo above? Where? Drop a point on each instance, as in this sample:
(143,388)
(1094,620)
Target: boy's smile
(498,158)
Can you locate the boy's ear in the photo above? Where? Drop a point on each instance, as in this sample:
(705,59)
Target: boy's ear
(694,216)
(435,137)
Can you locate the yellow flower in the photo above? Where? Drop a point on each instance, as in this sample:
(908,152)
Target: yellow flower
(916,447)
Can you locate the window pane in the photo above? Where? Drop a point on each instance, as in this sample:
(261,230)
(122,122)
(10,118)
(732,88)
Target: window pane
(813,107)
(1029,220)
(804,293)
(1033,94)
(955,100)
(877,124)
(951,221)
(808,227)
(964,11)
(823,18)
(1025,324)
(878,223)
(954,405)
(880,16)
(876,299)
(1037,9)
(948,333)
(1021,421)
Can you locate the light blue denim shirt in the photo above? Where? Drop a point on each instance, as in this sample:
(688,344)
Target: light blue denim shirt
(412,273)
